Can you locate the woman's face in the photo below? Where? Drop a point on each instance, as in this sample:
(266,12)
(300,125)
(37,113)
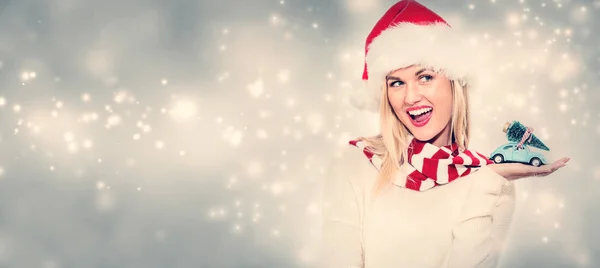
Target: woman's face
(422,100)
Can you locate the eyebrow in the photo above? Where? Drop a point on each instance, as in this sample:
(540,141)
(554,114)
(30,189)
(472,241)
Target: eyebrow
(420,71)
(396,78)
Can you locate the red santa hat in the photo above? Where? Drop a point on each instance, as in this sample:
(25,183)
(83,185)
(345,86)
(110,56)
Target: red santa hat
(411,34)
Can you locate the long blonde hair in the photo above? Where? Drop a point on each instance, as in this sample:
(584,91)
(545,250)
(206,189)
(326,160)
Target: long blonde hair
(391,145)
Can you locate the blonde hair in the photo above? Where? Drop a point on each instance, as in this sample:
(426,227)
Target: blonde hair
(391,145)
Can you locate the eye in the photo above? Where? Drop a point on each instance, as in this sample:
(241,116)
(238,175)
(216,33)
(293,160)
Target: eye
(396,83)
(425,78)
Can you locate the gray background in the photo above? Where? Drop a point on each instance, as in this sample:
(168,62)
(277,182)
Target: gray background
(99,168)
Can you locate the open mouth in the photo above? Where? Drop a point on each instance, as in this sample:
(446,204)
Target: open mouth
(420,117)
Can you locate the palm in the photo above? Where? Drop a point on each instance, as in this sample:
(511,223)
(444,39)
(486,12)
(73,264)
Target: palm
(514,171)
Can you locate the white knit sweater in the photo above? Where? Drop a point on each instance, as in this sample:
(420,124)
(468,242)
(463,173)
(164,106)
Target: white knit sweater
(461,224)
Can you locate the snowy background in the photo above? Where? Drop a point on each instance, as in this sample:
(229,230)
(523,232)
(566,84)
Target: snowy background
(195,133)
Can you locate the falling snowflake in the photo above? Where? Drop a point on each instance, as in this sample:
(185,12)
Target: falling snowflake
(233,136)
(256,88)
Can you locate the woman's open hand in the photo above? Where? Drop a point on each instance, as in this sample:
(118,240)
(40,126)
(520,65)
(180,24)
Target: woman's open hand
(515,171)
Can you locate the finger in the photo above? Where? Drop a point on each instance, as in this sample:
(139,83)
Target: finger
(554,168)
(559,163)
(544,170)
(565,160)
(562,160)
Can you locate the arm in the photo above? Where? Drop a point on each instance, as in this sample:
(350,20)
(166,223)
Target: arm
(479,237)
(342,212)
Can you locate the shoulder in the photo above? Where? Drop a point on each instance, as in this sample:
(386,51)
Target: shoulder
(352,162)
(354,154)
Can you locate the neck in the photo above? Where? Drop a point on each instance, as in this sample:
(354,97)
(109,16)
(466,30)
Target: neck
(443,138)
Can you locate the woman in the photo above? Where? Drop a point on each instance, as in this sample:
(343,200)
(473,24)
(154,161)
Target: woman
(415,195)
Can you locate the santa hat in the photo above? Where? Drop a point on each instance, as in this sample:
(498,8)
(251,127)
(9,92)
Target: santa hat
(411,34)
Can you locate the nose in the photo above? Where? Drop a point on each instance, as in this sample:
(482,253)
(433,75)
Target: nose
(413,94)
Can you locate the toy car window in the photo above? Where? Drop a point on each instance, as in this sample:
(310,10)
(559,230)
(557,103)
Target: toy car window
(508,147)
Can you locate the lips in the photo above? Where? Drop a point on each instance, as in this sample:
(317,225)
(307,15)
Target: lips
(420,115)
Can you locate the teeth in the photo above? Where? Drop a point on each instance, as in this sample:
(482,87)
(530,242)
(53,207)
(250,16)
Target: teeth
(420,111)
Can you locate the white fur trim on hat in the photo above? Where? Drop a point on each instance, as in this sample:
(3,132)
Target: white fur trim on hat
(435,46)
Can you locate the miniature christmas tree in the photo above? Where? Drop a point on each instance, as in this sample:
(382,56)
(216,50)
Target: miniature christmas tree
(515,131)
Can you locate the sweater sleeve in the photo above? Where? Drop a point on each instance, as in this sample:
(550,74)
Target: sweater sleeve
(343,204)
(479,237)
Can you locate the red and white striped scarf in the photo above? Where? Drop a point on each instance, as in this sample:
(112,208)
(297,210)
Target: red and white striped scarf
(429,166)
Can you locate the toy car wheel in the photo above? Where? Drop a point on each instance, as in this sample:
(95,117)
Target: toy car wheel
(498,159)
(536,162)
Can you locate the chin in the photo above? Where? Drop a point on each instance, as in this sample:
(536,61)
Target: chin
(423,135)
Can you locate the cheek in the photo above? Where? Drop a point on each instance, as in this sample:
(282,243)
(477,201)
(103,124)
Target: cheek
(448,101)
(444,107)
(397,102)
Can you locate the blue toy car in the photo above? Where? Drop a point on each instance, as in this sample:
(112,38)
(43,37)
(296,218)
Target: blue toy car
(510,153)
